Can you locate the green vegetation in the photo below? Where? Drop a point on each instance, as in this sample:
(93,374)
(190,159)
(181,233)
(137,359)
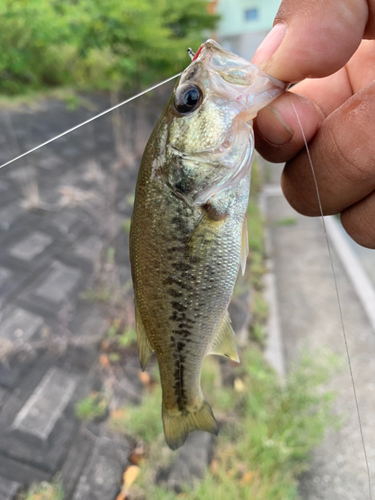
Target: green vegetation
(93,407)
(96,295)
(288,221)
(259,308)
(111,254)
(126,223)
(258,333)
(123,338)
(143,421)
(127,337)
(43,491)
(91,43)
(255,226)
(267,436)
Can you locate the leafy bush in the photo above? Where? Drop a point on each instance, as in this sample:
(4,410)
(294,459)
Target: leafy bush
(95,42)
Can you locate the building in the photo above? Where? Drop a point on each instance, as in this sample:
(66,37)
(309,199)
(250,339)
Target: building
(245,23)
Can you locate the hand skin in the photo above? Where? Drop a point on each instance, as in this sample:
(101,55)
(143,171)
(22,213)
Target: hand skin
(329,47)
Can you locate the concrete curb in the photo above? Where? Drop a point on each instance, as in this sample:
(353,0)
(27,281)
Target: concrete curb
(354,269)
(274,353)
(352,265)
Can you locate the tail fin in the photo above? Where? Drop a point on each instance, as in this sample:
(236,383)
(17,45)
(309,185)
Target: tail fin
(177,425)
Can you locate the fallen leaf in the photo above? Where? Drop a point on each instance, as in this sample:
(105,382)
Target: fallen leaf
(214,466)
(239,386)
(138,454)
(118,414)
(130,475)
(105,344)
(144,377)
(104,361)
(248,477)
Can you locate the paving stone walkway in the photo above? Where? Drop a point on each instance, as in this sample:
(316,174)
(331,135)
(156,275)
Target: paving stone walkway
(60,210)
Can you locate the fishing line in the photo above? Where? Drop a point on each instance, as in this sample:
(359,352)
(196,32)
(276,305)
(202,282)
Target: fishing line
(76,127)
(86,122)
(339,303)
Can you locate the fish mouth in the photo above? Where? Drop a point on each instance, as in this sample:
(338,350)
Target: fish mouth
(231,77)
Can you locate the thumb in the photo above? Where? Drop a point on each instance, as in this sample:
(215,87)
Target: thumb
(312,38)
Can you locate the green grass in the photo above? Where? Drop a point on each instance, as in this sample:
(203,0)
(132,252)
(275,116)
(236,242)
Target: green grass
(96,295)
(142,421)
(43,491)
(259,308)
(126,223)
(288,221)
(268,437)
(121,338)
(258,333)
(111,254)
(127,337)
(93,407)
(255,226)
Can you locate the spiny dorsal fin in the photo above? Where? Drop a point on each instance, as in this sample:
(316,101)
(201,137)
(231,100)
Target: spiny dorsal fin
(144,347)
(244,246)
(223,343)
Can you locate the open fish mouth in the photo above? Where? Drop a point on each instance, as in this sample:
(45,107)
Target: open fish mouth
(234,78)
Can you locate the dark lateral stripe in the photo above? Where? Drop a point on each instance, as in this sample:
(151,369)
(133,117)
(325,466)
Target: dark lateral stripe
(178,306)
(175,293)
(178,386)
(184,332)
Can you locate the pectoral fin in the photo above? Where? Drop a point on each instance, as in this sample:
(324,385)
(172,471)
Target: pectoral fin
(144,347)
(223,343)
(244,246)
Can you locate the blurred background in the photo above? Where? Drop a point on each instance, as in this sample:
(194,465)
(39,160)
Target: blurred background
(78,419)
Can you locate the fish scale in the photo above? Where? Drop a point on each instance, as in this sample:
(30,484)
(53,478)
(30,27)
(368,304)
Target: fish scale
(188,232)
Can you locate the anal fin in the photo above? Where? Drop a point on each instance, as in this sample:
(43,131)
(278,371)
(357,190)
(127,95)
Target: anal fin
(223,343)
(144,347)
(244,246)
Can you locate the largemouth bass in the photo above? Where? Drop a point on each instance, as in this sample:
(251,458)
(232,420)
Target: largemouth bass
(188,233)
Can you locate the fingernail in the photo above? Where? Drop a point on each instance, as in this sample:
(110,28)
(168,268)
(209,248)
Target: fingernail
(269,45)
(272,127)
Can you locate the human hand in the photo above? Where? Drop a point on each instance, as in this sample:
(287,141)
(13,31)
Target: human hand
(334,41)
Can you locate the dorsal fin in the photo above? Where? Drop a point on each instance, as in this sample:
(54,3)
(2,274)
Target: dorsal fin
(223,343)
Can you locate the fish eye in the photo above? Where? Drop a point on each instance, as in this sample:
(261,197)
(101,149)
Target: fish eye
(187,98)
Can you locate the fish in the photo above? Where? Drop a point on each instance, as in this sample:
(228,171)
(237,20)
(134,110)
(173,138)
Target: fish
(188,235)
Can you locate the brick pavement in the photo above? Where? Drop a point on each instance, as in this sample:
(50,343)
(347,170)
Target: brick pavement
(60,209)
